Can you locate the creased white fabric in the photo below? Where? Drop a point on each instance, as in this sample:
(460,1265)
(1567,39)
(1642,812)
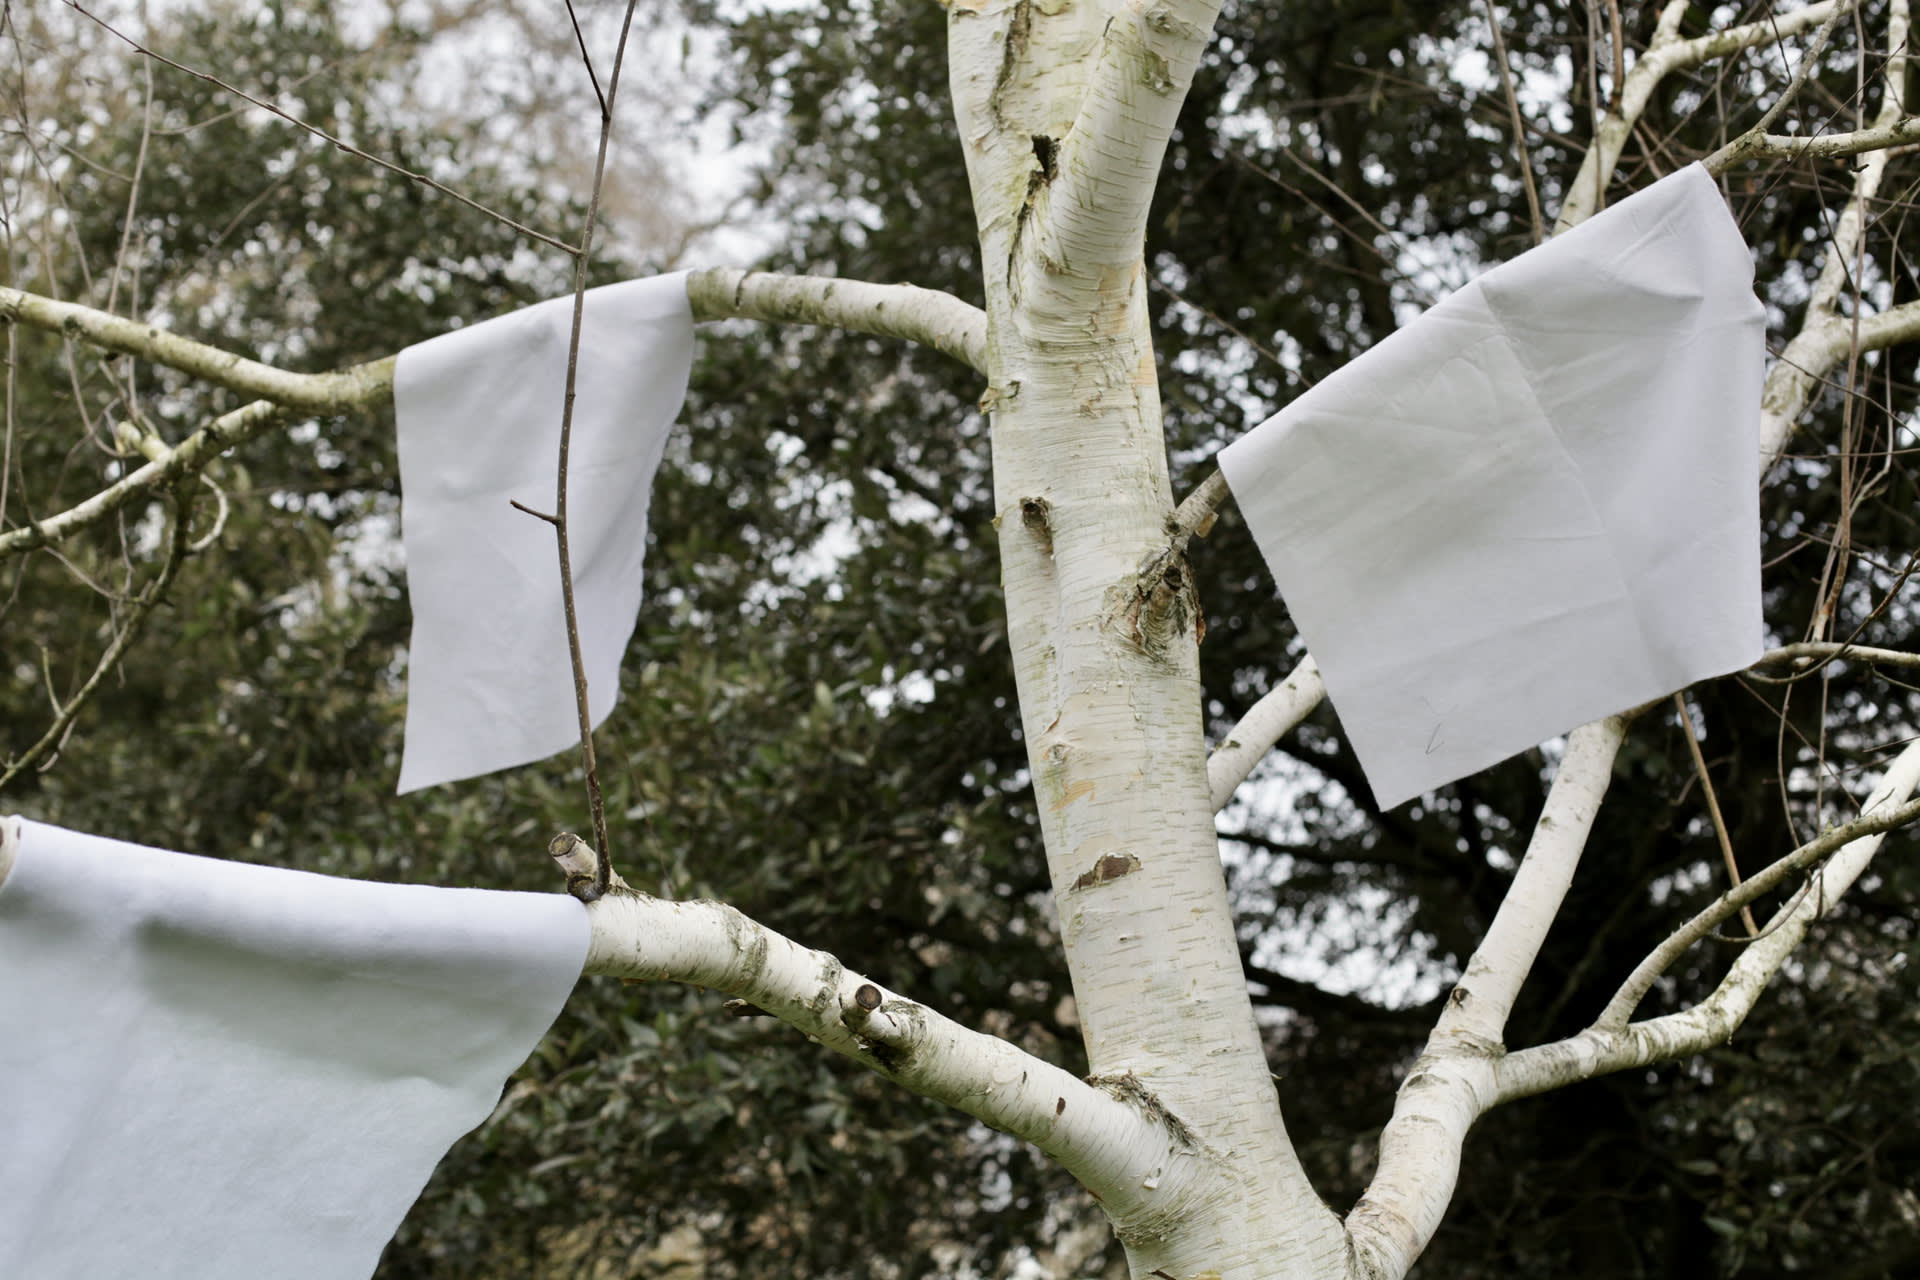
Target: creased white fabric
(1537,504)
(230,1072)
(489,683)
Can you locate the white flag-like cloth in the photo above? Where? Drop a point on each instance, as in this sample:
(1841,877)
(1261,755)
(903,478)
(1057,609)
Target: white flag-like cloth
(1536,505)
(489,682)
(229,1072)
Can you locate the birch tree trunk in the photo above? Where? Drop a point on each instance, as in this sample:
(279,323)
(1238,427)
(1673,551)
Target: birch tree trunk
(1065,112)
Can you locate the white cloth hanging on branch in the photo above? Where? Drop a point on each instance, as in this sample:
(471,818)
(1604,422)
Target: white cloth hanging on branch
(489,681)
(229,1072)
(1537,504)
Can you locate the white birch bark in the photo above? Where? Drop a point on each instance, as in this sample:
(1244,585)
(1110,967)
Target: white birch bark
(1064,112)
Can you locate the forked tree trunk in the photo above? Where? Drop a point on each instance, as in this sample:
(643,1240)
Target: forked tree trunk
(1064,118)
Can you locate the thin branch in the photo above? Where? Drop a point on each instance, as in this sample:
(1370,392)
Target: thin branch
(1266,722)
(1771,146)
(1611,1044)
(1199,509)
(927,316)
(1823,652)
(318,132)
(1519,128)
(133,190)
(1875,821)
(1716,163)
(1713,807)
(187,457)
(606,109)
(143,606)
(1619,47)
(596,803)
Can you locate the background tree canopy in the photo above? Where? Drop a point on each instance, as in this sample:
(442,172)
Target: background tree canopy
(817,721)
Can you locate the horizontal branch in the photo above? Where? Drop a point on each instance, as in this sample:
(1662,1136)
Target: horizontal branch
(927,316)
(1806,654)
(1107,1139)
(360,387)
(902,311)
(1266,722)
(1777,146)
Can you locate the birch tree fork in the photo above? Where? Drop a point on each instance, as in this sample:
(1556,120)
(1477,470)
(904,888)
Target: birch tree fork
(1066,113)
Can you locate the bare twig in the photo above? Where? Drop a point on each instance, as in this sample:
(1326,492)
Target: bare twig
(1619,48)
(1809,60)
(1713,807)
(133,191)
(177,551)
(318,132)
(587,58)
(1198,511)
(582,256)
(1519,127)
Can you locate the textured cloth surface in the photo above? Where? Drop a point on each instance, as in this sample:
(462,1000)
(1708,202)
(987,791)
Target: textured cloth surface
(216,1070)
(1537,504)
(489,683)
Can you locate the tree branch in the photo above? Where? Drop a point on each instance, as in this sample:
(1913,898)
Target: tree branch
(1611,1044)
(1667,53)
(1483,998)
(363,386)
(1717,163)
(1452,1084)
(1198,509)
(1801,655)
(893,311)
(51,741)
(1826,335)
(189,456)
(927,316)
(1112,1138)
(1093,205)
(1265,723)
(1774,146)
